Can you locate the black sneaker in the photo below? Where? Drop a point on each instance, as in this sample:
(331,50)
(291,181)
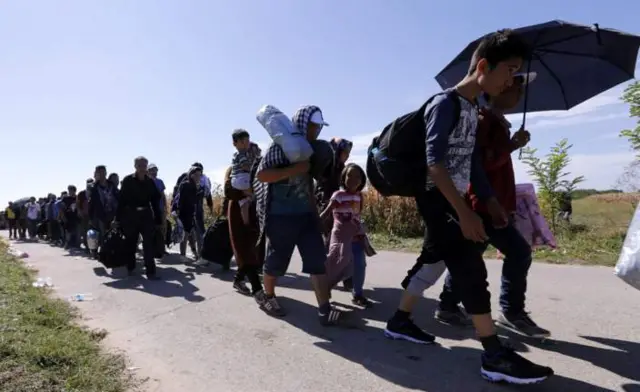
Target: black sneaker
(522,324)
(241,287)
(508,366)
(455,317)
(407,330)
(361,300)
(269,305)
(331,318)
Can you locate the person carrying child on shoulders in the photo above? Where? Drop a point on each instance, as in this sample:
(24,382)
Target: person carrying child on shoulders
(243,160)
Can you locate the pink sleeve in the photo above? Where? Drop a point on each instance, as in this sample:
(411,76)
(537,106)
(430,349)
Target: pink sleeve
(336,196)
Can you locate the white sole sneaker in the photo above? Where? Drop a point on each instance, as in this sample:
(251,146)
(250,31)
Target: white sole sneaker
(499,377)
(396,336)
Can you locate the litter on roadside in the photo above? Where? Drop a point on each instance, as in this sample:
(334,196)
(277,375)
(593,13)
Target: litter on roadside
(82,297)
(46,282)
(18,253)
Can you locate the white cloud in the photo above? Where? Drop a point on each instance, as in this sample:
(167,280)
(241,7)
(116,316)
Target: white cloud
(586,112)
(574,120)
(601,171)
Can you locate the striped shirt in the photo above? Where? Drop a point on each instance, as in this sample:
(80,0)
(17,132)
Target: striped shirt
(346,206)
(273,158)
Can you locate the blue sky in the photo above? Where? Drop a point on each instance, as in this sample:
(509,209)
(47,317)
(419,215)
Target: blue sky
(100,82)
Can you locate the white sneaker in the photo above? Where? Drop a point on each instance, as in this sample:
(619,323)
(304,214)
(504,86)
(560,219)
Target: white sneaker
(201,262)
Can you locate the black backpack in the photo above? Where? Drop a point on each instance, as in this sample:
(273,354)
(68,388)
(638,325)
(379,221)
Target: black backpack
(396,160)
(113,250)
(216,244)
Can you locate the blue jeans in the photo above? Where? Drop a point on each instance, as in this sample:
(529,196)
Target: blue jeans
(284,233)
(359,268)
(515,268)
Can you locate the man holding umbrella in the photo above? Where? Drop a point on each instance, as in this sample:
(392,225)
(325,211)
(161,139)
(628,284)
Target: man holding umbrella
(452,230)
(495,144)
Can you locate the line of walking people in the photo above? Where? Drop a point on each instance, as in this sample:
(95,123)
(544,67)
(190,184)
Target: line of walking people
(462,182)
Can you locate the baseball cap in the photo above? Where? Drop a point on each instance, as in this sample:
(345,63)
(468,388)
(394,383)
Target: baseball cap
(526,77)
(317,118)
(152,166)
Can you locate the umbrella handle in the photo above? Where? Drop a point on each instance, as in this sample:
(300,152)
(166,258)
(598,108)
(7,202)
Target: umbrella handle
(526,99)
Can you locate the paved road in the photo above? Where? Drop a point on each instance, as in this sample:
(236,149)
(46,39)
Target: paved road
(192,332)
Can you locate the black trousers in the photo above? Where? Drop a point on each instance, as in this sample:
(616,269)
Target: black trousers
(140,223)
(250,272)
(515,268)
(443,241)
(13,228)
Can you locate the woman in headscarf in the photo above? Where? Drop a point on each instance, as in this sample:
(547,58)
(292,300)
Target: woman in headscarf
(248,253)
(330,181)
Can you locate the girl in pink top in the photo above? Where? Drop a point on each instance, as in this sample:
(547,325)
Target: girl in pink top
(347,257)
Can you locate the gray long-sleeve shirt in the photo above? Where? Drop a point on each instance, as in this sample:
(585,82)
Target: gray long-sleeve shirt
(455,147)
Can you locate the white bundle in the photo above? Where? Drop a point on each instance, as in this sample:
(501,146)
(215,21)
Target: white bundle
(280,128)
(628,266)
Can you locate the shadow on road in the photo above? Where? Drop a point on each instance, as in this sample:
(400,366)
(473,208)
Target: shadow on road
(623,359)
(165,287)
(631,387)
(416,367)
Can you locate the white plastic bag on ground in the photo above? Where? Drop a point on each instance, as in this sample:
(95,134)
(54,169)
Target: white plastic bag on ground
(628,266)
(292,140)
(18,253)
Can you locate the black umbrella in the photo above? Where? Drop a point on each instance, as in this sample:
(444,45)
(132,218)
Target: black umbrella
(573,64)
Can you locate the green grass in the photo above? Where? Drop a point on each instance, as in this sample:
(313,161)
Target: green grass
(595,236)
(42,348)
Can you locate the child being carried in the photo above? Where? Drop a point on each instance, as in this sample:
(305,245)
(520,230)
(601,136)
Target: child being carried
(243,159)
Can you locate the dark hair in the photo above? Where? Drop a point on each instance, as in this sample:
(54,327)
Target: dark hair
(498,47)
(72,188)
(239,134)
(101,167)
(198,165)
(343,176)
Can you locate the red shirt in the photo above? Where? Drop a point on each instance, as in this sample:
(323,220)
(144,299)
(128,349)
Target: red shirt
(494,140)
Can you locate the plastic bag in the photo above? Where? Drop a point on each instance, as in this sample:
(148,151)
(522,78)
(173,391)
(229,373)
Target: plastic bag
(292,140)
(628,266)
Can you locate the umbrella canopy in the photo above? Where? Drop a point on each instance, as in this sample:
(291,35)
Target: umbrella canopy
(573,63)
(21,202)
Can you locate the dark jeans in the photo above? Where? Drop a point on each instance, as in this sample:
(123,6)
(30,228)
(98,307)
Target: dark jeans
(102,226)
(200,219)
(32,226)
(286,232)
(250,272)
(13,228)
(71,238)
(515,267)
(54,230)
(443,241)
(140,222)
(82,230)
(22,228)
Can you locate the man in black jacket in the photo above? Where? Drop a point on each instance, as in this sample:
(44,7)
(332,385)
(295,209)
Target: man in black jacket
(138,213)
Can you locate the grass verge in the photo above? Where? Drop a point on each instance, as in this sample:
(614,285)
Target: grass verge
(42,348)
(594,237)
